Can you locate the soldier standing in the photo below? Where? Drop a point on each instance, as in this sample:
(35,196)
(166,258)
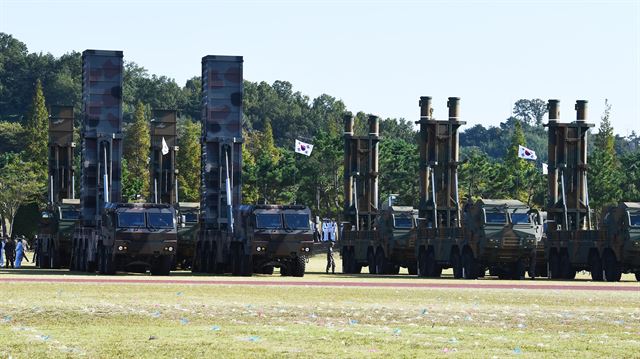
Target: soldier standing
(10,252)
(330,262)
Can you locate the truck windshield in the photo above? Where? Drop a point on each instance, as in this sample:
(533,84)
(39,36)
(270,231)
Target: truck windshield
(402,222)
(296,220)
(191,218)
(268,220)
(520,218)
(160,220)
(130,219)
(495,218)
(70,215)
(634,219)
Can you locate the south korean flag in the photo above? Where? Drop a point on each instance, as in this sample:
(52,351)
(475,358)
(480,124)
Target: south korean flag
(303,148)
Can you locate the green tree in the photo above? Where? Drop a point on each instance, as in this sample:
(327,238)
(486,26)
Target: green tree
(398,167)
(37,131)
(516,169)
(20,183)
(604,176)
(11,137)
(137,145)
(188,161)
(530,112)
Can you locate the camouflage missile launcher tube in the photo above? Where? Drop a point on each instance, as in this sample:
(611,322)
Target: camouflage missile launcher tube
(439,238)
(217,250)
(113,235)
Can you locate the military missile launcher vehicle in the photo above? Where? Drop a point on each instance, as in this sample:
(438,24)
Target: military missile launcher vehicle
(572,243)
(113,235)
(621,228)
(501,236)
(279,235)
(358,238)
(439,233)
(61,215)
(217,250)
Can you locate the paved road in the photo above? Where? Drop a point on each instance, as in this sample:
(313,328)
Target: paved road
(324,283)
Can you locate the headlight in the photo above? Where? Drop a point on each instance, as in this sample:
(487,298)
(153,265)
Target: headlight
(170,249)
(258,249)
(306,249)
(120,248)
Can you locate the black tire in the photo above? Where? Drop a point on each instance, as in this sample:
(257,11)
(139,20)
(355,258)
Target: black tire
(246,263)
(517,270)
(456,264)
(638,276)
(422,264)
(45,262)
(196,265)
(553,265)
(611,266)
(299,266)
(566,269)
(267,270)
(381,262)
(412,269)
(284,270)
(469,265)
(595,267)
(434,270)
(371,260)
(345,260)
(162,265)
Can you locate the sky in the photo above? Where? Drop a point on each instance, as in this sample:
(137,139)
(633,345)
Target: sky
(377,56)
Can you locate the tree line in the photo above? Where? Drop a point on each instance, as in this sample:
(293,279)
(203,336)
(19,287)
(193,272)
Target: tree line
(274,116)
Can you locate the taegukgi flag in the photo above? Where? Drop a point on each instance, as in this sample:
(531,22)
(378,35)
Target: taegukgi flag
(526,153)
(165,148)
(304,148)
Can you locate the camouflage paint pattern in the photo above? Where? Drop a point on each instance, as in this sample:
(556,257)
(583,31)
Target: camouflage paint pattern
(187,214)
(395,240)
(572,242)
(163,167)
(439,226)
(222,92)
(286,246)
(102,76)
(498,240)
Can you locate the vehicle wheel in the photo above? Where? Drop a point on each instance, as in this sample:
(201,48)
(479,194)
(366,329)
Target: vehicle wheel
(412,269)
(422,263)
(53,258)
(517,270)
(371,260)
(345,260)
(246,263)
(161,266)
(638,276)
(197,261)
(553,265)
(566,269)
(381,262)
(456,264)
(357,268)
(299,266)
(284,269)
(44,260)
(469,265)
(100,259)
(595,267)
(611,266)
(434,270)
(267,270)
(394,269)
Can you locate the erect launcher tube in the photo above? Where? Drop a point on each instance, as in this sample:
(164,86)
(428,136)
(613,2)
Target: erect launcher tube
(454,155)
(425,115)
(374,123)
(581,116)
(554,115)
(228,189)
(348,179)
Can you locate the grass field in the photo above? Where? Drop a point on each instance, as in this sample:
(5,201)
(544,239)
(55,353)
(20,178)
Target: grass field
(51,320)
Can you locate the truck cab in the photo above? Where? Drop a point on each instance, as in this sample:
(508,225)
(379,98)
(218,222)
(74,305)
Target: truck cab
(188,214)
(137,235)
(276,236)
(621,226)
(57,224)
(500,235)
(396,236)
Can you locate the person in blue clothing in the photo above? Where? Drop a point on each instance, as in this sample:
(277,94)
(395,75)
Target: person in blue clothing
(19,253)
(1,251)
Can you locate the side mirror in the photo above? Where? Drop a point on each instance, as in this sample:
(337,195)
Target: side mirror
(183,219)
